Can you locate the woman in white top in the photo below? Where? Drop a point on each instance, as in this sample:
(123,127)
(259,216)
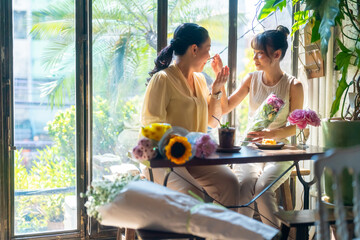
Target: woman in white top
(269,49)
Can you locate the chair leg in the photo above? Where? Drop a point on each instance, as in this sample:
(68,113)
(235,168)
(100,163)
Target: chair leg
(129,234)
(118,234)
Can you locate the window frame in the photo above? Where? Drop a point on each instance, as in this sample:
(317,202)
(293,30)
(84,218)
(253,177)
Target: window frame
(86,226)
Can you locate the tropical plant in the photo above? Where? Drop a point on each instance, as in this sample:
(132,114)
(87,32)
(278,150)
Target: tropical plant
(322,16)
(124,43)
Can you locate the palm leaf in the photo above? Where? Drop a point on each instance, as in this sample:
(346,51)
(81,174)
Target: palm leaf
(328,11)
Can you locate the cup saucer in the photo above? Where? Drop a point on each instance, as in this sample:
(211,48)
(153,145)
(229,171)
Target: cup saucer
(234,149)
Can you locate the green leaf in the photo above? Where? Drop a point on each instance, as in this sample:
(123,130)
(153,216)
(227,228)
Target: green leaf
(270,7)
(339,92)
(276,2)
(342,61)
(342,46)
(357,61)
(328,11)
(301,18)
(315,36)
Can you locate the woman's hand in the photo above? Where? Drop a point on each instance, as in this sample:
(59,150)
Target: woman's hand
(220,80)
(260,135)
(216,64)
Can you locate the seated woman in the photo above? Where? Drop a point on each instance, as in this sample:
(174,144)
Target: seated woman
(177,94)
(269,49)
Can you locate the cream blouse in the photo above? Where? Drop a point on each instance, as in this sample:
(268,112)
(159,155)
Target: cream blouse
(168,99)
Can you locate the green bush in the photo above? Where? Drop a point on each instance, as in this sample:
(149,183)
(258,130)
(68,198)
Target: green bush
(55,166)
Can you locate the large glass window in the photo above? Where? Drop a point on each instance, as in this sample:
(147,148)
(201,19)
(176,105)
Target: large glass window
(44,116)
(124,49)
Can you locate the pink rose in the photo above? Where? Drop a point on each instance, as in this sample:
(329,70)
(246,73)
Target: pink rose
(312,118)
(298,118)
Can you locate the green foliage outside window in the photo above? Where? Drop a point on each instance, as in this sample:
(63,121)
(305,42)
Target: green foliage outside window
(54,166)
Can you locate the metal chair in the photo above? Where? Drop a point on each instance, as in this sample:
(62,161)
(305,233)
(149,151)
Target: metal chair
(336,161)
(323,216)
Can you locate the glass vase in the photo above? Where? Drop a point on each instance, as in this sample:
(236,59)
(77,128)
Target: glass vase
(302,135)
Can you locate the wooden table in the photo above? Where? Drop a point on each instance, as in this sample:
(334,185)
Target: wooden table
(251,154)
(248,154)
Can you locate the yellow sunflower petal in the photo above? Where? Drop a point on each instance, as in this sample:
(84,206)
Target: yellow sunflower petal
(187,153)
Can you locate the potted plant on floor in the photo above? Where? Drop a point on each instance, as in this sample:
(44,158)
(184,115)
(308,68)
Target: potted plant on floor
(322,15)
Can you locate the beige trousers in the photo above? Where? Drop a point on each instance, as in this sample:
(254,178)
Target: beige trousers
(218,181)
(255,177)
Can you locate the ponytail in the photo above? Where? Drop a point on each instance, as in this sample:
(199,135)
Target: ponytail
(185,35)
(163,60)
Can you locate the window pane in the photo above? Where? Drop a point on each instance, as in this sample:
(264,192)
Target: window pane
(44,116)
(208,14)
(124,49)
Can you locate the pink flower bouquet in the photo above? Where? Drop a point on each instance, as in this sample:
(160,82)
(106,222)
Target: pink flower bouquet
(265,115)
(301,118)
(203,144)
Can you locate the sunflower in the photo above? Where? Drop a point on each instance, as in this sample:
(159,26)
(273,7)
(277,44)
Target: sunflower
(178,150)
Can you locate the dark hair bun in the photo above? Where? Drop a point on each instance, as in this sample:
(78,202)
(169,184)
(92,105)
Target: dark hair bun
(283,29)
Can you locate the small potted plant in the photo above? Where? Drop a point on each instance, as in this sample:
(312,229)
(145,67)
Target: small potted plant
(226,135)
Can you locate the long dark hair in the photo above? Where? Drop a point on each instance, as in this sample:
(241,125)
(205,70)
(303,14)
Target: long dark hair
(272,40)
(185,35)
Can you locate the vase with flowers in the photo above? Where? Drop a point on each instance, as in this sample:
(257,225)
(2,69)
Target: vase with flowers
(302,118)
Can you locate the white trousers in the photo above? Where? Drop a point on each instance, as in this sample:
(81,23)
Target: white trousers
(217,180)
(255,177)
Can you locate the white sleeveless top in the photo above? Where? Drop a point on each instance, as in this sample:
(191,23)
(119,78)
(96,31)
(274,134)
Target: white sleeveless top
(259,92)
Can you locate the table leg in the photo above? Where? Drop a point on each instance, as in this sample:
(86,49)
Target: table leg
(305,184)
(302,233)
(284,232)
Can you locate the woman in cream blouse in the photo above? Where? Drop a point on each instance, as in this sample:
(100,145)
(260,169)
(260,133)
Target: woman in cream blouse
(177,94)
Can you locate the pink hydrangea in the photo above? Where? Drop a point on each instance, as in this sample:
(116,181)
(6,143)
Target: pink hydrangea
(204,146)
(276,102)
